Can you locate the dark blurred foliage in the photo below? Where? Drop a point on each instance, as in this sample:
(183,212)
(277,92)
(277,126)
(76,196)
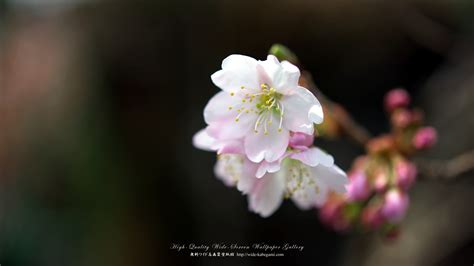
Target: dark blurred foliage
(102,99)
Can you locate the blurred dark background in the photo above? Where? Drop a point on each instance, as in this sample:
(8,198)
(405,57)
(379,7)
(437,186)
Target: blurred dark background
(99,101)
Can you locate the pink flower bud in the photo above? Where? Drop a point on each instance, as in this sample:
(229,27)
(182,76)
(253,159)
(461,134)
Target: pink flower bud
(405,174)
(395,205)
(301,141)
(380,182)
(329,212)
(425,138)
(358,188)
(332,213)
(372,217)
(396,98)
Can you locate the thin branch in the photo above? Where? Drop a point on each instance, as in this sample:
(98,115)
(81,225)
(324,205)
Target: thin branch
(429,169)
(446,169)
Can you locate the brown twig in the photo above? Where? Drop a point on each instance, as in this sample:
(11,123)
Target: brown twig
(446,169)
(429,169)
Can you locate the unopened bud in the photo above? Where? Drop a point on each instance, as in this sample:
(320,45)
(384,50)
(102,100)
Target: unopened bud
(358,188)
(300,141)
(405,174)
(425,138)
(395,205)
(396,98)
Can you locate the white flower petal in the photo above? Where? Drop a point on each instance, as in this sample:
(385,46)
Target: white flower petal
(237,71)
(218,107)
(267,194)
(229,146)
(265,167)
(228,128)
(248,179)
(271,147)
(311,196)
(313,156)
(203,141)
(282,76)
(333,177)
(268,69)
(301,111)
(228,169)
(287,78)
(238,61)
(307,190)
(315,114)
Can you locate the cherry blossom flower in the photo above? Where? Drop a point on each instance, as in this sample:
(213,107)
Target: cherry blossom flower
(260,103)
(307,185)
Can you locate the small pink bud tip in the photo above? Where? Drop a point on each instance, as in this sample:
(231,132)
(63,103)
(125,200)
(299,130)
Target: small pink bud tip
(396,98)
(358,188)
(405,174)
(425,138)
(395,205)
(300,140)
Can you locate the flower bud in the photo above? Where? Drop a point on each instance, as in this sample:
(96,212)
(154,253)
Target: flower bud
(331,214)
(372,217)
(300,141)
(425,138)
(396,98)
(405,174)
(395,205)
(358,188)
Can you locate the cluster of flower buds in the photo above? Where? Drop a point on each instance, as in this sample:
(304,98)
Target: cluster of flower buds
(377,195)
(261,124)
